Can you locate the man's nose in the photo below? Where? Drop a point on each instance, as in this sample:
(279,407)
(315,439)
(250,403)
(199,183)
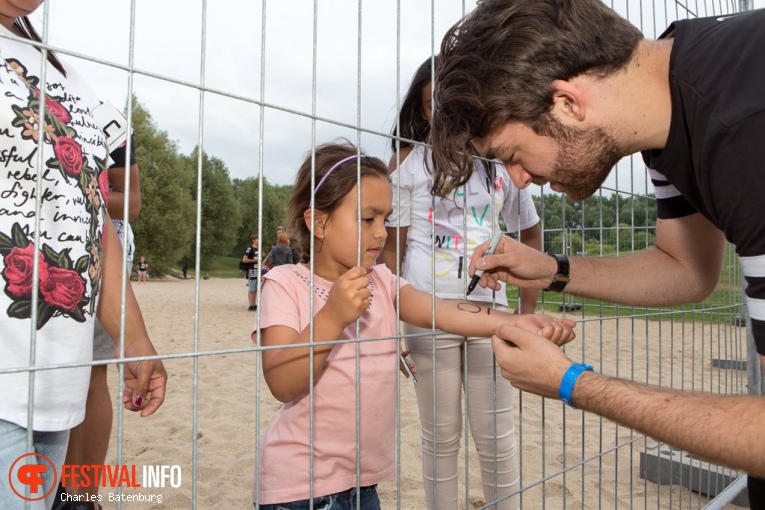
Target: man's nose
(520,177)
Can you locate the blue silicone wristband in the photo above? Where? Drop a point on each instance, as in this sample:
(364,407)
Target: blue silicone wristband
(569,379)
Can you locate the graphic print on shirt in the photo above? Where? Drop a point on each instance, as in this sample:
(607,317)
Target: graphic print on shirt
(72,195)
(466,205)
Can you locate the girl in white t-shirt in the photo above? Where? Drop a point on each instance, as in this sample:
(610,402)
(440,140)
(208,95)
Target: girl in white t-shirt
(318,313)
(437,237)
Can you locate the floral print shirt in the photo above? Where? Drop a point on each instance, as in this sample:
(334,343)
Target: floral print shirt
(55,175)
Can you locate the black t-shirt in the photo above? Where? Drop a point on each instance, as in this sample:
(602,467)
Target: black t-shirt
(714,158)
(252,269)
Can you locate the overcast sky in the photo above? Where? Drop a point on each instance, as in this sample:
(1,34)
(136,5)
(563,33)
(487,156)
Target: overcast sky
(396,36)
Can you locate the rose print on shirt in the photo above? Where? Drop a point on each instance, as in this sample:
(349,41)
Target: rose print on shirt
(18,271)
(103,185)
(68,155)
(61,286)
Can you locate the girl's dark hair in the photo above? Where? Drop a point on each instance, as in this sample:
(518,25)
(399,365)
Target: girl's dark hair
(332,191)
(412,124)
(26,29)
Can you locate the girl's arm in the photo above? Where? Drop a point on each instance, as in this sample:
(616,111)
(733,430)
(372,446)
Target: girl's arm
(470,318)
(145,381)
(116,202)
(287,370)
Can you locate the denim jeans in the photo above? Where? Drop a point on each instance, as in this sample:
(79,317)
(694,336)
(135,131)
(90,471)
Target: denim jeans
(13,443)
(345,500)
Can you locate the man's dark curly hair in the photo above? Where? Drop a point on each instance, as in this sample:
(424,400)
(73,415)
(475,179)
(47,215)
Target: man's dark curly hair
(497,65)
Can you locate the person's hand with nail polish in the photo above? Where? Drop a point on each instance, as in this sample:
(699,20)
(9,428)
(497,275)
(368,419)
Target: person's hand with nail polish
(145,381)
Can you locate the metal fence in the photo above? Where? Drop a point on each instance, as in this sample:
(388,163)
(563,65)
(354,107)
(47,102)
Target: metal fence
(218,406)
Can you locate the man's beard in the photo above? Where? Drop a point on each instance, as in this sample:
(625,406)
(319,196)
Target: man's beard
(585,158)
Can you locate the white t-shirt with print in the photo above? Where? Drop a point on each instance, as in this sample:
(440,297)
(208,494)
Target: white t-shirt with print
(467,218)
(68,244)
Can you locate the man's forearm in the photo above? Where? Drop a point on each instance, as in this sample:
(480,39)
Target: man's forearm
(645,278)
(725,429)
(683,267)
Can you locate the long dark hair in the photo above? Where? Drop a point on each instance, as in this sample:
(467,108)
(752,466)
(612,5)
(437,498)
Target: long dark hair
(411,122)
(332,191)
(25,28)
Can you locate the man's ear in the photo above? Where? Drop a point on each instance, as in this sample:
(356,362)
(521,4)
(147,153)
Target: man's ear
(569,103)
(319,222)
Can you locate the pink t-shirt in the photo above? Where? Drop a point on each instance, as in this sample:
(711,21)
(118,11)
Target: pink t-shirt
(284,447)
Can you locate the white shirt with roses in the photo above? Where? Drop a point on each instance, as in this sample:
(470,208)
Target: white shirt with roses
(68,177)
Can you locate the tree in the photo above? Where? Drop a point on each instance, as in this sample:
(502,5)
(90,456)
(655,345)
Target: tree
(273,214)
(221,218)
(165,227)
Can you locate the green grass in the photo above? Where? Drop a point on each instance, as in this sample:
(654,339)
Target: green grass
(221,267)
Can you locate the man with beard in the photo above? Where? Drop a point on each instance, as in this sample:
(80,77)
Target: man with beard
(543,87)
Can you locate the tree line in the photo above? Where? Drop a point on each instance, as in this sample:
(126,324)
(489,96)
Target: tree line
(165,230)
(600,225)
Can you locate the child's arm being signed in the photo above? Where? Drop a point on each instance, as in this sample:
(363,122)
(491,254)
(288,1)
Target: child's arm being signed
(469,318)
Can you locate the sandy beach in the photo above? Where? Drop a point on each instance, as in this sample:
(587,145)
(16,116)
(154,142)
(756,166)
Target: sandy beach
(568,459)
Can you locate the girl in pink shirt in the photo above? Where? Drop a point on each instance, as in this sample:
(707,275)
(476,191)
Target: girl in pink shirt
(338,316)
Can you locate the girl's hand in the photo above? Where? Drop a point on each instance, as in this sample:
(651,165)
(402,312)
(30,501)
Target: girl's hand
(407,366)
(558,331)
(349,296)
(145,381)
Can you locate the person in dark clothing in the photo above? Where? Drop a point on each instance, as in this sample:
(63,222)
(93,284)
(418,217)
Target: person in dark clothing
(280,253)
(251,258)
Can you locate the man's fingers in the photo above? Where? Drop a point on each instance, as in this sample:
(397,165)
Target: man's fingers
(517,337)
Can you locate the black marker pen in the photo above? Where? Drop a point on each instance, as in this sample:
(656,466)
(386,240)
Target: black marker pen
(479,272)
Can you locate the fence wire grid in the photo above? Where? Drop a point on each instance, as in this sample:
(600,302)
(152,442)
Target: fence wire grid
(218,406)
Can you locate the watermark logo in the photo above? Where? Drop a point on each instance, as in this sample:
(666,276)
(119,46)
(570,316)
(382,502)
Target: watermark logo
(32,474)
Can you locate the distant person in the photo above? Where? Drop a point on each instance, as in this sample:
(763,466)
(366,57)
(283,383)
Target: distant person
(143,271)
(560,91)
(462,365)
(185,270)
(279,231)
(321,432)
(281,253)
(79,275)
(251,258)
